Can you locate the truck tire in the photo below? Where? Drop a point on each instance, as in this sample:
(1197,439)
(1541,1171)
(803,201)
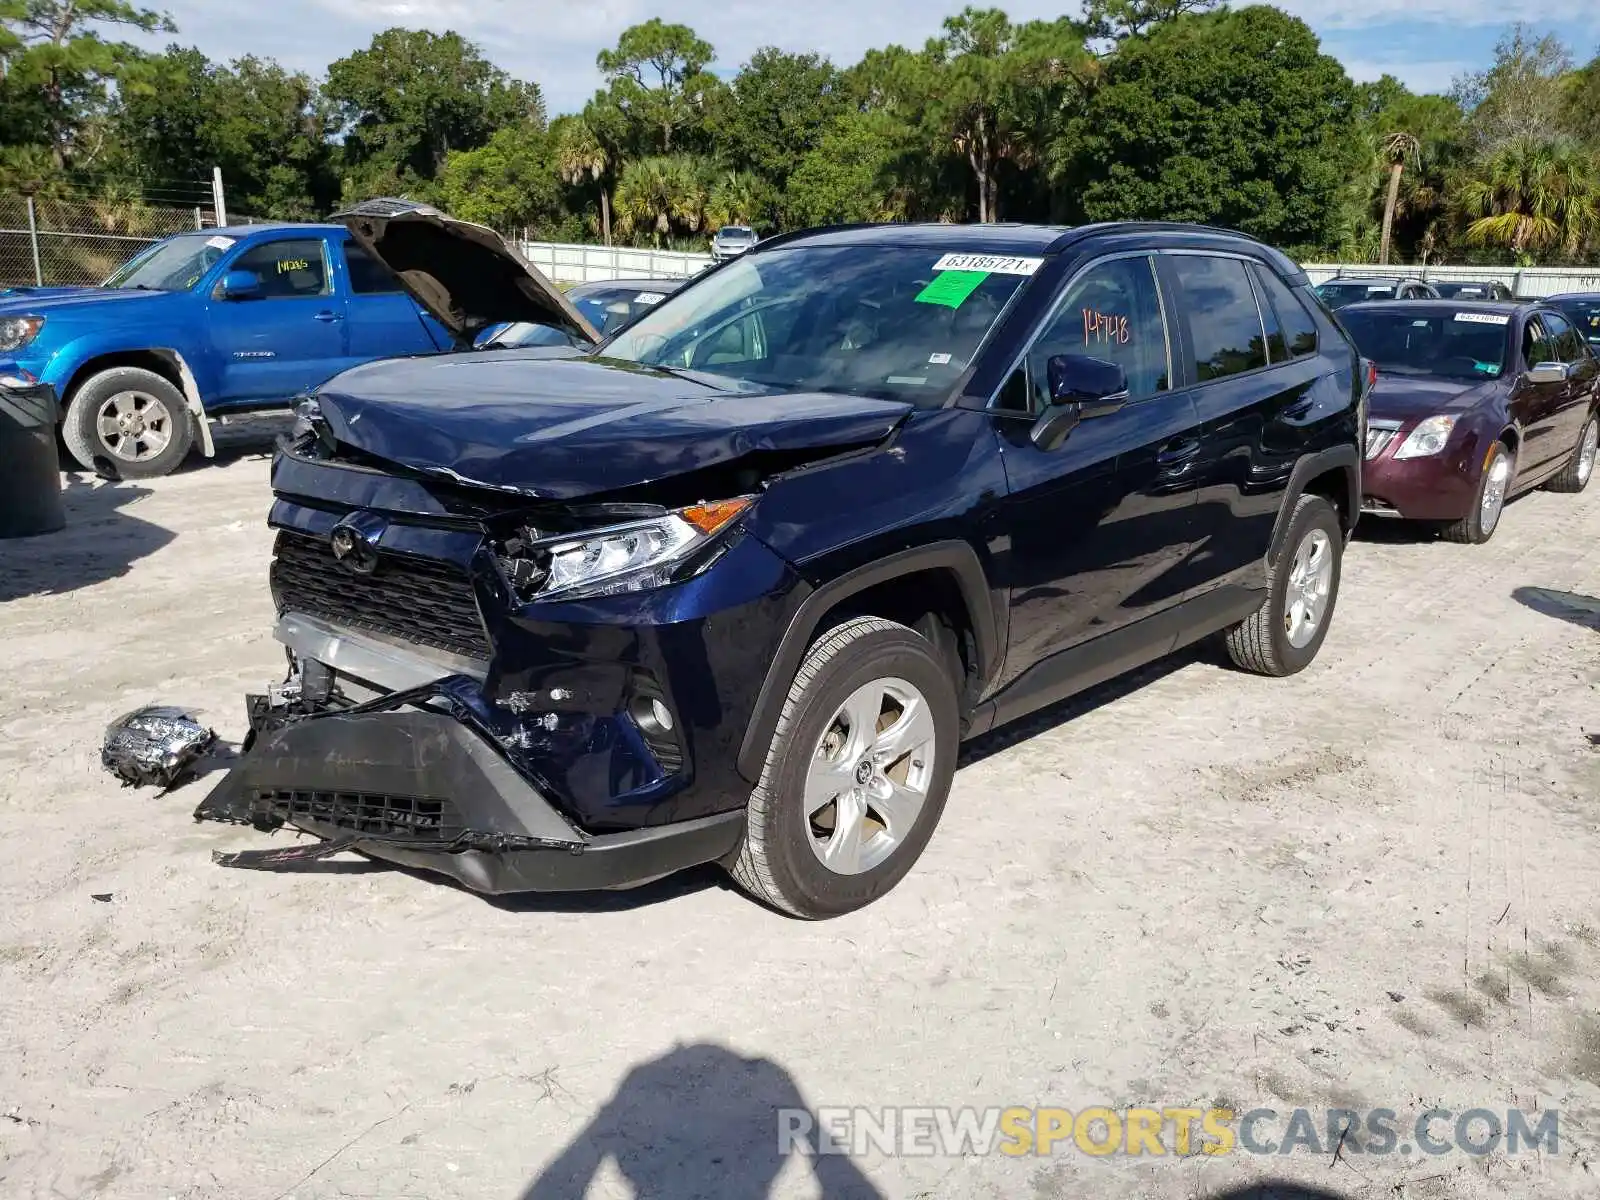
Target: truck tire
(857,774)
(1285,633)
(128,422)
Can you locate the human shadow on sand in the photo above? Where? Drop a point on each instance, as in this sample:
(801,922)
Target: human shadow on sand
(700,1121)
(100,542)
(1572,607)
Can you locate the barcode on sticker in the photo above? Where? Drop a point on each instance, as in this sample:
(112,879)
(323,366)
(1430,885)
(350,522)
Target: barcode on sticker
(649,298)
(1484,318)
(219,242)
(991,264)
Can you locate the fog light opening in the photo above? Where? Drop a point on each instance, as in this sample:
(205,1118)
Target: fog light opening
(652,715)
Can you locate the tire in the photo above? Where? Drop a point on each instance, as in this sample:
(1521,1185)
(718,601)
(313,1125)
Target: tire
(1574,477)
(1478,525)
(160,430)
(1263,642)
(780,858)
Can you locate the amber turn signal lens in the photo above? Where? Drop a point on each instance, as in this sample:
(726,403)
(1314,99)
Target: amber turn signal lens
(710,517)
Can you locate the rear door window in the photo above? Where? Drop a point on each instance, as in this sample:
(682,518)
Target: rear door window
(1224,323)
(367,275)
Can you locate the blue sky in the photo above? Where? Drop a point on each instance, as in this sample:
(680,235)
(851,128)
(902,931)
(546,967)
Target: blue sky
(554,42)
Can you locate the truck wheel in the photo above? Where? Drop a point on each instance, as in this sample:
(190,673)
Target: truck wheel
(1574,477)
(1285,633)
(857,774)
(132,419)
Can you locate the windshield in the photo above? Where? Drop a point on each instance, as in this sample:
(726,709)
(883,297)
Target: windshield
(734,231)
(1585,314)
(608,307)
(1463,345)
(869,320)
(1335,294)
(1464,291)
(175,265)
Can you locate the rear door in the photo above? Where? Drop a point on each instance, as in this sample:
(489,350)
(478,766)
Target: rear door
(1097,524)
(289,337)
(1579,393)
(383,320)
(1255,400)
(1535,407)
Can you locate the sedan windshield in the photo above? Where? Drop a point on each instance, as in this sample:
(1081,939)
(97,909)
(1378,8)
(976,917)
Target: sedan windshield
(870,320)
(608,307)
(175,265)
(1451,345)
(1585,314)
(1335,294)
(1465,291)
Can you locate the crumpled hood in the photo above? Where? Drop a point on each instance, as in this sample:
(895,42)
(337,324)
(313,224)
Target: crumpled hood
(559,429)
(1407,397)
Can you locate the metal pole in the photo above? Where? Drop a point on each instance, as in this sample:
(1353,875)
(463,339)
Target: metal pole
(199,221)
(33,236)
(216,197)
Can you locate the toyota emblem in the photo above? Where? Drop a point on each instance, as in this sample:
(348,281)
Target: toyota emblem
(353,551)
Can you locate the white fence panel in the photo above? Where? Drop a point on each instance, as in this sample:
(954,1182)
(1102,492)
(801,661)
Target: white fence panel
(585,264)
(1530,282)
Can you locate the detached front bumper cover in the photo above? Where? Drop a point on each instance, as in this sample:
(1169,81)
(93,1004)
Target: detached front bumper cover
(425,788)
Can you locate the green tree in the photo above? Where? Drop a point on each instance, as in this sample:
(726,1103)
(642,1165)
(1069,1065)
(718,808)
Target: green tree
(1532,197)
(1580,103)
(411,98)
(1120,19)
(57,68)
(661,197)
(510,183)
(775,112)
(1520,96)
(581,158)
(848,178)
(1232,118)
(658,81)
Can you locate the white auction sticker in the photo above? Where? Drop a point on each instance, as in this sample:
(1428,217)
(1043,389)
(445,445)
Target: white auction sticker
(991,264)
(219,243)
(1484,318)
(939,360)
(649,298)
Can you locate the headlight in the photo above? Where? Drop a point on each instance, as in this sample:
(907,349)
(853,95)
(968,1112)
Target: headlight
(17,332)
(622,558)
(1427,438)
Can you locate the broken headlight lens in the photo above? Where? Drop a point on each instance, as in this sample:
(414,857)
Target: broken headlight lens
(631,557)
(17,332)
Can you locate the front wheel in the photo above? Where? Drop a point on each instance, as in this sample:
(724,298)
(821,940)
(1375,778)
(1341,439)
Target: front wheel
(1285,633)
(1488,502)
(857,774)
(130,422)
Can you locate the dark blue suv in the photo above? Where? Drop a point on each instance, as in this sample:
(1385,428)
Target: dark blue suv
(735,585)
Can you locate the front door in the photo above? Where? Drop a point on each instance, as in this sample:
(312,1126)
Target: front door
(1537,407)
(1576,397)
(290,336)
(1097,523)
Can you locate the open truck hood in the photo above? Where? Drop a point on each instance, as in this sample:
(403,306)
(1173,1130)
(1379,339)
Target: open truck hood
(556,429)
(464,274)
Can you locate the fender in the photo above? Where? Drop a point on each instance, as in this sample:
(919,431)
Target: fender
(956,557)
(1308,468)
(70,359)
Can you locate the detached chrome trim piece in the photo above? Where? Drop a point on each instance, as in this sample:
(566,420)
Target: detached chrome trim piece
(386,665)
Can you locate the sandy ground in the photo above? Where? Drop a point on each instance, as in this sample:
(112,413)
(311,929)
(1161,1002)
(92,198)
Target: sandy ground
(1376,885)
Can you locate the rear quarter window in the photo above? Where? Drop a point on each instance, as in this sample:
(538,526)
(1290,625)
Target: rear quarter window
(1299,330)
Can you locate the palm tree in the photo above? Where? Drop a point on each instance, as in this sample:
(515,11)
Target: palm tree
(661,194)
(1530,196)
(736,199)
(580,153)
(1398,147)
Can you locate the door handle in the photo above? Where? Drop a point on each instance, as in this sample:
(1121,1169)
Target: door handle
(326,315)
(1176,454)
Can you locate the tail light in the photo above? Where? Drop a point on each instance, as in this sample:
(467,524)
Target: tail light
(1372,374)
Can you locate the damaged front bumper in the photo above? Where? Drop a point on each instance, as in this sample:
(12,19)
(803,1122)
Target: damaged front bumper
(422,788)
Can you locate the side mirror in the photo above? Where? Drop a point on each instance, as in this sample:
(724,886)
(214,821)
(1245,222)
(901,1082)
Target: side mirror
(1081,388)
(1549,372)
(241,285)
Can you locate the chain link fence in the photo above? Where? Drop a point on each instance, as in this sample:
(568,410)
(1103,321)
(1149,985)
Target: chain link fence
(47,241)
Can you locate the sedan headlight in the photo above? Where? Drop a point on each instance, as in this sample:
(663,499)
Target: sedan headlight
(1429,437)
(622,558)
(17,332)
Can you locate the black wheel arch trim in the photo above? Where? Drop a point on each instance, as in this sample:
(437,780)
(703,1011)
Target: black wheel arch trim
(958,558)
(1307,468)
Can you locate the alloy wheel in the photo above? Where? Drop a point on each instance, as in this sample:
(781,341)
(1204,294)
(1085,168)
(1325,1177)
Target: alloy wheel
(1586,452)
(135,426)
(1309,585)
(1494,492)
(869,775)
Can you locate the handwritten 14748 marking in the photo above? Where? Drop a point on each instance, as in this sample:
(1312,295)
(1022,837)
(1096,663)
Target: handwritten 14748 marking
(1104,327)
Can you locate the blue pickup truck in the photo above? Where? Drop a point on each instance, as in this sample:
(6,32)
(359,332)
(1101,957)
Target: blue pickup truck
(226,321)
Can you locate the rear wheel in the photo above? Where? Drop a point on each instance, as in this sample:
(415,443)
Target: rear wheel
(1574,477)
(128,422)
(857,774)
(1285,633)
(1488,502)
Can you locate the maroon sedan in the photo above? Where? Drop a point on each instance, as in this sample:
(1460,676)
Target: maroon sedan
(1474,403)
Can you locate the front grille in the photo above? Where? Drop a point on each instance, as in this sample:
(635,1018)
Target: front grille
(418,600)
(366,812)
(1377,439)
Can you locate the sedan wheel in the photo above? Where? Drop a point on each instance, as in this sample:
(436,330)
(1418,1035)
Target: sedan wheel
(1494,485)
(1574,477)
